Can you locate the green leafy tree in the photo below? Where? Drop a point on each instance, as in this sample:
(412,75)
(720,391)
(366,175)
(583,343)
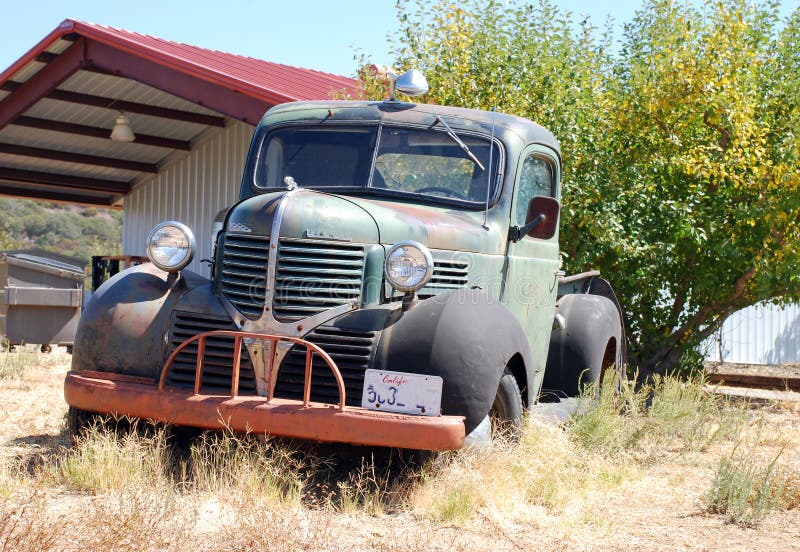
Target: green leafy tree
(7,241)
(680,148)
(697,197)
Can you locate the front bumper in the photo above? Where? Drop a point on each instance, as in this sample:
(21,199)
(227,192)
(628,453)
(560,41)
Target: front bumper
(121,395)
(109,393)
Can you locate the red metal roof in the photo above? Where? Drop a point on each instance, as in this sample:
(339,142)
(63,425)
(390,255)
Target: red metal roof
(259,79)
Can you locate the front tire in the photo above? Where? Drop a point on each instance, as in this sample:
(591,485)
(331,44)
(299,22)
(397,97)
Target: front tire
(507,413)
(79,422)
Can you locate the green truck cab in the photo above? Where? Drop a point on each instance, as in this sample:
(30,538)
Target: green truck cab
(390,276)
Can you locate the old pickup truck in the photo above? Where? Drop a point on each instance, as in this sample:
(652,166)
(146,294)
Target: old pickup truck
(390,276)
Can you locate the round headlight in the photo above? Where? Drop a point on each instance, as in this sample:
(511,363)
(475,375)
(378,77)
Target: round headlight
(409,266)
(170,246)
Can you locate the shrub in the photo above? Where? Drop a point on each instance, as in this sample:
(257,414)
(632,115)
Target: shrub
(744,490)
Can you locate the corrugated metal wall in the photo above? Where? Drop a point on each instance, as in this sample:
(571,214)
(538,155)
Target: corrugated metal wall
(191,190)
(762,334)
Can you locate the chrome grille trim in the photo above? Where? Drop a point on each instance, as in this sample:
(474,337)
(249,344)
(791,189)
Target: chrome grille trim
(352,350)
(312,277)
(217,360)
(244,270)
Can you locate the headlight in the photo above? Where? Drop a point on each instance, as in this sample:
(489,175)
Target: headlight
(409,266)
(170,246)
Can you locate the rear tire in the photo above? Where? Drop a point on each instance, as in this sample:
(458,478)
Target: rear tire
(507,413)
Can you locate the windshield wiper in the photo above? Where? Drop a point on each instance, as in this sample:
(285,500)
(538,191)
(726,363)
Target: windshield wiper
(460,142)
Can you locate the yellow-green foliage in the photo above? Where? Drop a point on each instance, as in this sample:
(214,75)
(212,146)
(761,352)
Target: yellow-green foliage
(681,156)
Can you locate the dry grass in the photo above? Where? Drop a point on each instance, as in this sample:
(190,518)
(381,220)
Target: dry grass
(106,460)
(247,467)
(636,469)
(14,365)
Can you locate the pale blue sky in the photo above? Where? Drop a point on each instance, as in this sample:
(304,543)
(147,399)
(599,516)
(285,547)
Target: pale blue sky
(317,34)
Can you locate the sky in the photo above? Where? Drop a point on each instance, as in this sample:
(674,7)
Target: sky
(317,34)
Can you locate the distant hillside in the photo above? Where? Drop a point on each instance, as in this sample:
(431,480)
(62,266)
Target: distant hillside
(70,230)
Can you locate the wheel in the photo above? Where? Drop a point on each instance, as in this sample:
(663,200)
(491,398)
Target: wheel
(507,412)
(79,421)
(69,349)
(602,367)
(45,348)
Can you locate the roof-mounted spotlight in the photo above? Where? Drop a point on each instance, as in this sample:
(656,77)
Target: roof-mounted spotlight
(411,83)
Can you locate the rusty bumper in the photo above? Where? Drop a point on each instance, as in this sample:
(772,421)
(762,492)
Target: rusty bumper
(110,393)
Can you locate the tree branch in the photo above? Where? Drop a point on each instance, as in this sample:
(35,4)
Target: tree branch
(699,318)
(725,134)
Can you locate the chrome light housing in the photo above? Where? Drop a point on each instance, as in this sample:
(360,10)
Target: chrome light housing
(409,266)
(411,83)
(170,246)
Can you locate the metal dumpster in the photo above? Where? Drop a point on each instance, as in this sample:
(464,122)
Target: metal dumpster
(40,297)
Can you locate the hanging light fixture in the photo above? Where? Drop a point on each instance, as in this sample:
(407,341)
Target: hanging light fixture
(122,131)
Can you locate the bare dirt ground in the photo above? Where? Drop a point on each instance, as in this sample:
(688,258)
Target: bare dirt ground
(656,505)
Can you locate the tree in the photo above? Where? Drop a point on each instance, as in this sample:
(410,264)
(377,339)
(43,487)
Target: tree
(698,202)
(7,242)
(680,154)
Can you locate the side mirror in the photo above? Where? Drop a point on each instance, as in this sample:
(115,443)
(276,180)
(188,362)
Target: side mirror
(542,220)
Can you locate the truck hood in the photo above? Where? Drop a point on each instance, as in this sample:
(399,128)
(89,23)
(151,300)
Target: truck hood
(324,216)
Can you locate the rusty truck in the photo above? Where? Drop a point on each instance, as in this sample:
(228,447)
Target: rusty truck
(389,276)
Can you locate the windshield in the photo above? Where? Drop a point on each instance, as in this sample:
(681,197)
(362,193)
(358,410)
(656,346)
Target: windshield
(384,160)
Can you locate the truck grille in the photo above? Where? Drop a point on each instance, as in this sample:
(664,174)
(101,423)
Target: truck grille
(313,277)
(352,351)
(217,360)
(244,271)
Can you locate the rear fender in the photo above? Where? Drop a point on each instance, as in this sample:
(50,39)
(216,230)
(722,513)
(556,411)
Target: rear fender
(591,339)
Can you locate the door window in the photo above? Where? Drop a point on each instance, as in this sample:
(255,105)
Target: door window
(536,179)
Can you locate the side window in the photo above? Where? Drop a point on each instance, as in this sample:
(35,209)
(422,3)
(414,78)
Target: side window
(536,179)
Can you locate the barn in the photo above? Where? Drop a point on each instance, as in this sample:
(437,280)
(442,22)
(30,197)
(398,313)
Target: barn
(100,116)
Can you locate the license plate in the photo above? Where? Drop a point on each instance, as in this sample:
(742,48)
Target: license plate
(402,392)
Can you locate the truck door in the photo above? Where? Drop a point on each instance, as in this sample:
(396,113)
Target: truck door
(533,264)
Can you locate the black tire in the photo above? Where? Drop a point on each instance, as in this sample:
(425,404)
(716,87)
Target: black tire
(603,366)
(79,421)
(45,348)
(507,413)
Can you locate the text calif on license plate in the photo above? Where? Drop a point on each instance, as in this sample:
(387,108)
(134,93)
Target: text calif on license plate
(402,392)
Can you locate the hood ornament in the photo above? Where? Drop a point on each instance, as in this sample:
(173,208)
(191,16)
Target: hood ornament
(290,183)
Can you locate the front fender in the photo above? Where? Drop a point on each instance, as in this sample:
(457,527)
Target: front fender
(463,336)
(124,325)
